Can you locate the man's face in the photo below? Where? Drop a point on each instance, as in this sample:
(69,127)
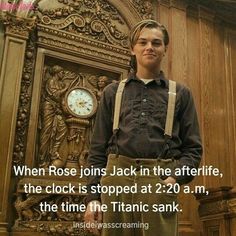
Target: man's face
(149,49)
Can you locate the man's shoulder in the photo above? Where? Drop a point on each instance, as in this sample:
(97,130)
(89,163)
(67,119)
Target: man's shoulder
(183,92)
(111,88)
(181,87)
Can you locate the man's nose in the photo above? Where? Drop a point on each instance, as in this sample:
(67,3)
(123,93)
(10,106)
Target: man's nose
(149,45)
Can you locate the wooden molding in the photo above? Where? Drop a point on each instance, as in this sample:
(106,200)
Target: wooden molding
(206,14)
(58,39)
(16,26)
(179,4)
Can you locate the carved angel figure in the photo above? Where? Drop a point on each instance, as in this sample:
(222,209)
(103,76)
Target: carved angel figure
(99,84)
(103,81)
(54,128)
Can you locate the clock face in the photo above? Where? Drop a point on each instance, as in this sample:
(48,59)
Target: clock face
(81,102)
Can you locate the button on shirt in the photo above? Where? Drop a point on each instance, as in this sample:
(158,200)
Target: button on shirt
(142,124)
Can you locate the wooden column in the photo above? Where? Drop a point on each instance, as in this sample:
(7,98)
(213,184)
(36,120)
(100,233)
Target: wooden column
(16,34)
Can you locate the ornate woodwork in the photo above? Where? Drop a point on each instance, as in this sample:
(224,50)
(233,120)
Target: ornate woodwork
(24,103)
(16,33)
(96,20)
(16,26)
(60,222)
(75,39)
(57,124)
(218,211)
(145,8)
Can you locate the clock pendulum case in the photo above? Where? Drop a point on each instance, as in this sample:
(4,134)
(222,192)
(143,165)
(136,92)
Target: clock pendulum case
(80,105)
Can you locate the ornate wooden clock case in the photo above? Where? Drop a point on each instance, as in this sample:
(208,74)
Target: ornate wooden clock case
(80,105)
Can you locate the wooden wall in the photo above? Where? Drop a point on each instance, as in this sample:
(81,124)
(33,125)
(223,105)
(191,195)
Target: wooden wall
(202,55)
(1,43)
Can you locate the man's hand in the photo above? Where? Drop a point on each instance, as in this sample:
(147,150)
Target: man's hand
(93,217)
(169,180)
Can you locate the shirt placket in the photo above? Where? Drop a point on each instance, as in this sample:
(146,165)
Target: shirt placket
(144,107)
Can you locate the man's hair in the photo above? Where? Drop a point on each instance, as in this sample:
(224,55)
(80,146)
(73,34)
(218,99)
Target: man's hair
(136,30)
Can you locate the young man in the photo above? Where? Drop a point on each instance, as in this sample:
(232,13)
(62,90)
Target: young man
(142,140)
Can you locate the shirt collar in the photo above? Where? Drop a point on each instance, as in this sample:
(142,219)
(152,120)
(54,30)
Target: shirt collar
(160,79)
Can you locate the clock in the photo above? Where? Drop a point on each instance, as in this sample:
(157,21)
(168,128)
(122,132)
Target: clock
(81,102)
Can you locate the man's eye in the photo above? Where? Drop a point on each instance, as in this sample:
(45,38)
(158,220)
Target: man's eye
(156,43)
(142,42)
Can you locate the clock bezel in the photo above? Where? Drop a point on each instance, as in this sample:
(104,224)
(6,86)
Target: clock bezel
(95,103)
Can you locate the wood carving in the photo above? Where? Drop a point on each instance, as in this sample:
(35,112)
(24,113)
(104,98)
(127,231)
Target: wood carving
(54,128)
(58,127)
(25,206)
(96,30)
(99,83)
(18,27)
(145,8)
(97,20)
(59,222)
(24,102)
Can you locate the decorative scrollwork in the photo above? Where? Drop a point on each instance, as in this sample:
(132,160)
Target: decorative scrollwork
(145,8)
(94,19)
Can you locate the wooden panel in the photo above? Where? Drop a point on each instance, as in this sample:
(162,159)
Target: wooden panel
(219,140)
(216,110)
(178,60)
(230,55)
(233,225)
(9,98)
(183,66)
(206,71)
(163,18)
(32,132)
(193,81)
(193,60)
(1,43)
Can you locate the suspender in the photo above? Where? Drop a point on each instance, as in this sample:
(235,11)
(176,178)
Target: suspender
(119,94)
(170,108)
